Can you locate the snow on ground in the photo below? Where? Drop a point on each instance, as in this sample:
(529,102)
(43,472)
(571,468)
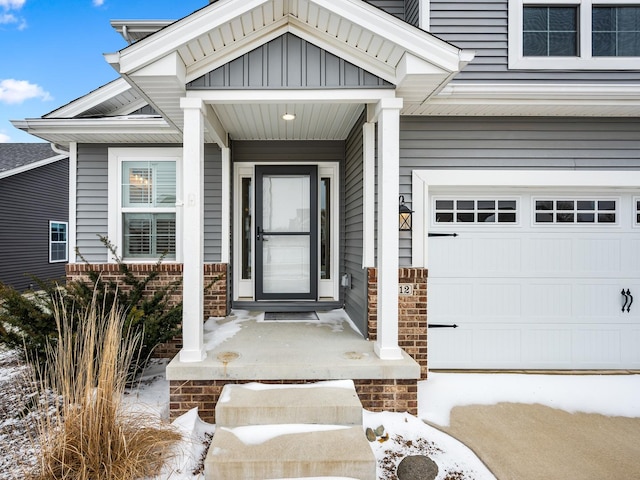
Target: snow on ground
(611,395)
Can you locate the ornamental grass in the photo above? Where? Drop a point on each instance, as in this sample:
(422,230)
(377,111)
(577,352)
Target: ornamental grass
(85,431)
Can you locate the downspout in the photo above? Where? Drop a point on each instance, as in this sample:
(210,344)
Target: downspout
(58,149)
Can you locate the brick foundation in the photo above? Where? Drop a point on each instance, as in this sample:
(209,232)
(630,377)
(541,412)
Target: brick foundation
(215,294)
(375,395)
(412,313)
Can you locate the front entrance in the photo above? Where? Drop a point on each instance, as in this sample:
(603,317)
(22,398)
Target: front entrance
(286,232)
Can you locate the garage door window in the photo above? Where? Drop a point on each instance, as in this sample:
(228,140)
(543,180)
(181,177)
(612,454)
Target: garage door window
(475,211)
(575,211)
(637,211)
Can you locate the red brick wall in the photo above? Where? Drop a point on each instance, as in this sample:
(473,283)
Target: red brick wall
(376,395)
(412,313)
(215,291)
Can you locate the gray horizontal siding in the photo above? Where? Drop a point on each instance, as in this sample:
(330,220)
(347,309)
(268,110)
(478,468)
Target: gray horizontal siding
(28,201)
(483,27)
(550,143)
(356,296)
(92,201)
(394,7)
(288,62)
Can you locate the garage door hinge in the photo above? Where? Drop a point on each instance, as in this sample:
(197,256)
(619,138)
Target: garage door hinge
(442,235)
(441,325)
(628,298)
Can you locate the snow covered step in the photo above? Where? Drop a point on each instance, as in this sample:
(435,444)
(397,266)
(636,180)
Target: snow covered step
(332,403)
(290,451)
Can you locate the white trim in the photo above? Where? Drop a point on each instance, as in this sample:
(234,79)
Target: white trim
(425,15)
(353,95)
(73,200)
(116,156)
(225,192)
(31,166)
(246,288)
(369,194)
(424,179)
(584,60)
(66,255)
(98,96)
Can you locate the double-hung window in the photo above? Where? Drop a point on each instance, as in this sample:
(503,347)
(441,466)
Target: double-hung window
(574,34)
(143,223)
(58,242)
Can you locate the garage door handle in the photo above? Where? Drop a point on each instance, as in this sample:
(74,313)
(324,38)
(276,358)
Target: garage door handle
(442,235)
(628,300)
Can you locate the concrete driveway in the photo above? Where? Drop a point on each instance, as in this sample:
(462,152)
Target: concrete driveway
(535,442)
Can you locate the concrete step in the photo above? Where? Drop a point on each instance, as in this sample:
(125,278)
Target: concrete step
(332,403)
(253,453)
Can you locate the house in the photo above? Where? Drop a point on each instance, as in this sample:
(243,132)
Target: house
(34,207)
(270,146)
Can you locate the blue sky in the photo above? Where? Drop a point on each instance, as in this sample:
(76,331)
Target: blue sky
(51,51)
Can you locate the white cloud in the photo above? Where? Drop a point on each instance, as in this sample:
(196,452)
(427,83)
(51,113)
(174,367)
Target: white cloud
(12,4)
(17,91)
(96,3)
(4,138)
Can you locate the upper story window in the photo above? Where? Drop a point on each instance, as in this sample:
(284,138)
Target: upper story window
(58,242)
(574,34)
(143,217)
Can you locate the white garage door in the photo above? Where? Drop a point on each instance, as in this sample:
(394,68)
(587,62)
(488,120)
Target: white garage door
(534,278)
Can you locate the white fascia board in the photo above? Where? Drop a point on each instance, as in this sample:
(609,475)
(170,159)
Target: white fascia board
(171,38)
(106,125)
(98,96)
(414,40)
(355,95)
(343,51)
(257,39)
(590,93)
(171,65)
(32,166)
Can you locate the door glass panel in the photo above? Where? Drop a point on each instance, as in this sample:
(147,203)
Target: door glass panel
(286,203)
(246,228)
(325,228)
(285,264)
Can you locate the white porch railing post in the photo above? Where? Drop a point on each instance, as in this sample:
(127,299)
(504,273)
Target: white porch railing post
(193,231)
(388,116)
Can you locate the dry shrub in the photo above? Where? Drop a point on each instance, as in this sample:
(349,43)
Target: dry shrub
(86,433)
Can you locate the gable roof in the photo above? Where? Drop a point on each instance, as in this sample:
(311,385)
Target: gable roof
(19,157)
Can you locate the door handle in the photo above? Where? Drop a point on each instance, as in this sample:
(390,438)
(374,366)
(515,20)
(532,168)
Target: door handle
(628,300)
(260,235)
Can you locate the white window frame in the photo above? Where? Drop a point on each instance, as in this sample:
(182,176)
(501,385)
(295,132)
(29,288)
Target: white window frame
(117,156)
(66,242)
(575,223)
(475,211)
(584,60)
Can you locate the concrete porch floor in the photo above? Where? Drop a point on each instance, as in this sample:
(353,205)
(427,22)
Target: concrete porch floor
(243,346)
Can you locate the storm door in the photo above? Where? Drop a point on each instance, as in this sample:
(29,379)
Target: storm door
(286,232)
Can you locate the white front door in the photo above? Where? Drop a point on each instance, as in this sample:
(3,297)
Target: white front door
(534,278)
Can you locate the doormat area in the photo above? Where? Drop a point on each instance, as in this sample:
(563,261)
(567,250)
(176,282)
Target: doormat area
(291,317)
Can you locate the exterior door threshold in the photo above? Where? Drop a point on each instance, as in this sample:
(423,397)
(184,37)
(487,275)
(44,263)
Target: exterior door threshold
(287,306)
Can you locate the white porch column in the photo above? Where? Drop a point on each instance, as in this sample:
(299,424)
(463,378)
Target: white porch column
(387,112)
(193,231)
(369,203)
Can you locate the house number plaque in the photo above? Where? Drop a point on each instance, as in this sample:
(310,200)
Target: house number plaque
(405,289)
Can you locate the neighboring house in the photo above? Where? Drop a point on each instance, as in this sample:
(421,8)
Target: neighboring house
(514,125)
(34,208)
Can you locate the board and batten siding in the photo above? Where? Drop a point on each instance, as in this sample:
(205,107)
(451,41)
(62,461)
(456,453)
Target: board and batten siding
(483,27)
(288,62)
(393,7)
(28,202)
(352,229)
(503,143)
(92,201)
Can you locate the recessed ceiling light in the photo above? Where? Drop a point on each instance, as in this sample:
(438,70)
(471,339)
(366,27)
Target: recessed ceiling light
(289,116)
